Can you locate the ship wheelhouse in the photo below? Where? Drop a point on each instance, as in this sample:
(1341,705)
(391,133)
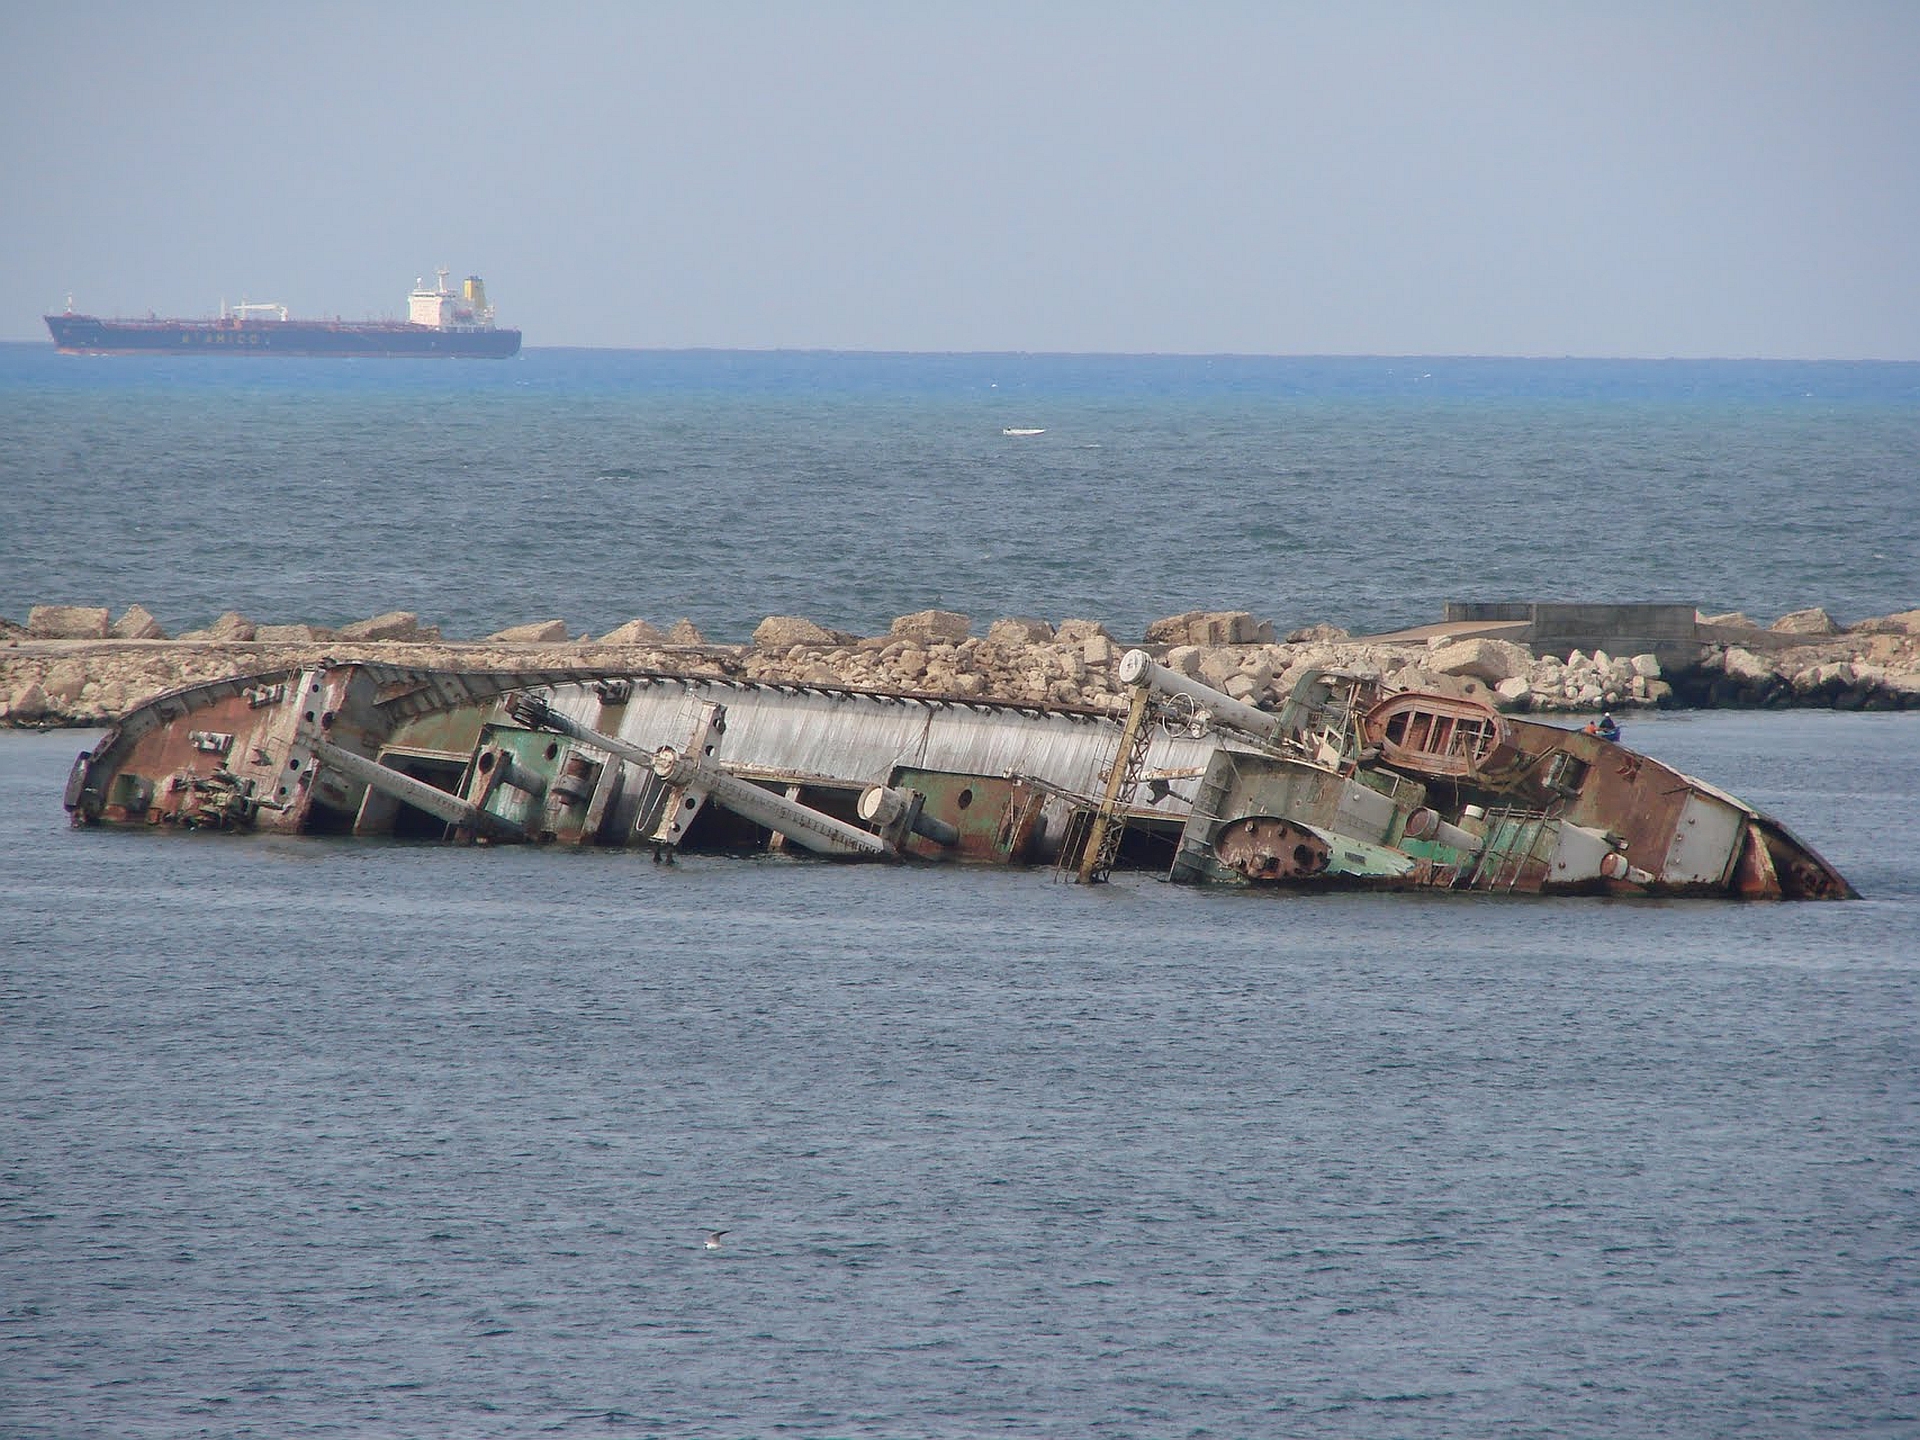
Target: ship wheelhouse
(1439,735)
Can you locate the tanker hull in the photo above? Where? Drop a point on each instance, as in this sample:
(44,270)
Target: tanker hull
(442,323)
(88,335)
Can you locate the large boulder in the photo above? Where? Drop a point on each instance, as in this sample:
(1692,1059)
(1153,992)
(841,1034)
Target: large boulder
(291,634)
(1743,665)
(683,632)
(28,702)
(394,625)
(908,663)
(634,632)
(1890,649)
(137,623)
(1218,664)
(1490,660)
(1078,632)
(1902,685)
(1172,630)
(106,698)
(1017,630)
(1905,622)
(1069,663)
(64,682)
(1828,678)
(1210,627)
(538,632)
(231,628)
(928,626)
(68,622)
(1814,621)
(783,632)
(1418,677)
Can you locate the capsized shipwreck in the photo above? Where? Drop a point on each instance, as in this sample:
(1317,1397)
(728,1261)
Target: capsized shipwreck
(1348,785)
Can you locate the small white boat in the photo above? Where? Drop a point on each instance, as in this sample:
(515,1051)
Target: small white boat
(1013,430)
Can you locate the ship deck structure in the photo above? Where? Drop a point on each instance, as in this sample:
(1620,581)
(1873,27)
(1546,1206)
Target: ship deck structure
(441,323)
(1346,786)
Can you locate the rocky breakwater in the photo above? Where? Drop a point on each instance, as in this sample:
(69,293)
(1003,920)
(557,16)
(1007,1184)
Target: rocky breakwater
(1073,662)
(80,666)
(1807,659)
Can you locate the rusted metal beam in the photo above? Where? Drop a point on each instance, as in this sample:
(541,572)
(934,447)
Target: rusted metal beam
(535,713)
(804,826)
(417,793)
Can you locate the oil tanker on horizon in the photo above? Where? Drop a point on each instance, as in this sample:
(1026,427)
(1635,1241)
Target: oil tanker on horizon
(440,324)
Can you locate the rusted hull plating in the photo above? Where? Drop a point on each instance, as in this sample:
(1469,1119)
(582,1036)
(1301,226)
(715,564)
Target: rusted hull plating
(1425,791)
(1346,787)
(379,750)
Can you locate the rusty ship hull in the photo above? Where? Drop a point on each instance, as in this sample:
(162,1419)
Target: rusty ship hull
(1345,787)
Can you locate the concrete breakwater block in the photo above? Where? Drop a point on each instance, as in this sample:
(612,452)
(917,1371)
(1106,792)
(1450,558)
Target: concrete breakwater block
(68,622)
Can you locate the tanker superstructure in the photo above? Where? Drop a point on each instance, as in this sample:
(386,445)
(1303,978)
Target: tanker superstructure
(441,323)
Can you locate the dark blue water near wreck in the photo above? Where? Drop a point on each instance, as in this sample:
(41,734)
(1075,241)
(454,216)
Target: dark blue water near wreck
(315,1138)
(311,1138)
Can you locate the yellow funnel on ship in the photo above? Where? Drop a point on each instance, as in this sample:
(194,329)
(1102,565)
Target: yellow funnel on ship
(475,292)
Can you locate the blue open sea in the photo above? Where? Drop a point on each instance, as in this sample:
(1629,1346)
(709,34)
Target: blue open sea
(596,486)
(319,1138)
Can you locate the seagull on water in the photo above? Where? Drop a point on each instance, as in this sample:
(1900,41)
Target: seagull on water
(713,1238)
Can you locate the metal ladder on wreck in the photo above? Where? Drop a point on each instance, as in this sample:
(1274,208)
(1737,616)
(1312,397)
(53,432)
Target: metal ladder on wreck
(1099,834)
(1513,842)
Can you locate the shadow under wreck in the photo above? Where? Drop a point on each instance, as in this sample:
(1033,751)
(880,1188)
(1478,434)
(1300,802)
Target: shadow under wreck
(1348,785)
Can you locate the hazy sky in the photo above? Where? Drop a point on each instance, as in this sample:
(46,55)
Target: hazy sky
(1534,178)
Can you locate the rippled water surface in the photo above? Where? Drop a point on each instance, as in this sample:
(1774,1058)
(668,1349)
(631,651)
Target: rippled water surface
(595,486)
(330,1139)
(313,1138)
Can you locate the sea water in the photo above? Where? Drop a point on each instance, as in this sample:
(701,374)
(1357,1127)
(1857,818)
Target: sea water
(594,487)
(326,1138)
(314,1138)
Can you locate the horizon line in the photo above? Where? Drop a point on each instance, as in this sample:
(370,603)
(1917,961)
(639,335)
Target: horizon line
(1066,354)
